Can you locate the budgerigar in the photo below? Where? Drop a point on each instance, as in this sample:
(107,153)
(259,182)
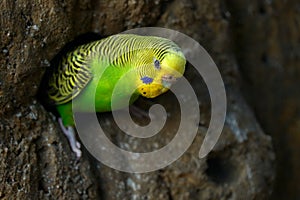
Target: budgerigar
(153,64)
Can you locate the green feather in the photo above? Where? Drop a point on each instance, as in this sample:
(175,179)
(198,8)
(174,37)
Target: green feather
(77,76)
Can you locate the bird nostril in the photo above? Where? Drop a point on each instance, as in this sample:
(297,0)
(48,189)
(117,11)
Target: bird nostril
(166,77)
(169,78)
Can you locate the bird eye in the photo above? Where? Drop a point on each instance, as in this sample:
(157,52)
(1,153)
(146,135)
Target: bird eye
(156,64)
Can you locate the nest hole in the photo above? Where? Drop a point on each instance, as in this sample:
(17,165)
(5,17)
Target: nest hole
(221,169)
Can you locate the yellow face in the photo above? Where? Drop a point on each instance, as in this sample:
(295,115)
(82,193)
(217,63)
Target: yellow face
(162,74)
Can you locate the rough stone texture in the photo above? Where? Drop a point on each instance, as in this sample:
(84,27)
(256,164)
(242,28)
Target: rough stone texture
(267,40)
(36,162)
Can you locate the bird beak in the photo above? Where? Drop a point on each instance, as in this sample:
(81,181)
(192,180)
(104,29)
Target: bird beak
(168,80)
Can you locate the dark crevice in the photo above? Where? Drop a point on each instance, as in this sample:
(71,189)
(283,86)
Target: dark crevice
(220,168)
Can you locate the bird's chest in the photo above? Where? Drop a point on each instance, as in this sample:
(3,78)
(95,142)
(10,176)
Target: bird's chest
(112,90)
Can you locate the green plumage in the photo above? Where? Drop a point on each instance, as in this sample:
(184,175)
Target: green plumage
(148,61)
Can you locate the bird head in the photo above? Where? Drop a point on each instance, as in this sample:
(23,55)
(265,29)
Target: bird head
(165,67)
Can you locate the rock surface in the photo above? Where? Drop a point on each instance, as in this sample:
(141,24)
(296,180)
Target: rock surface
(266,35)
(36,162)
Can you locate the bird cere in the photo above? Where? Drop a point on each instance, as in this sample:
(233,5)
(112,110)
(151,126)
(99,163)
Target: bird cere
(151,63)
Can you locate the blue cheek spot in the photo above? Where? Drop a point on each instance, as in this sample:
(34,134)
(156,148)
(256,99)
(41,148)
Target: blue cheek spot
(147,80)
